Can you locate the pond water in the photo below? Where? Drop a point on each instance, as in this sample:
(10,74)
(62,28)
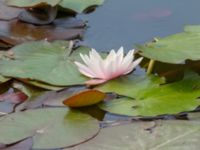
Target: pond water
(128,22)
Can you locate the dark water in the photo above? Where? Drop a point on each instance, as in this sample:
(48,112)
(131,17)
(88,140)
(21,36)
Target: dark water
(127,22)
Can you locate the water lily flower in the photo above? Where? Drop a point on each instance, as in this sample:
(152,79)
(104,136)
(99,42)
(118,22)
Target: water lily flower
(101,70)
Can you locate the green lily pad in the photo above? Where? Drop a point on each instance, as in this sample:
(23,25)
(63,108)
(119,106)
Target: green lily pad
(31,3)
(175,48)
(153,99)
(50,63)
(79,5)
(159,135)
(50,128)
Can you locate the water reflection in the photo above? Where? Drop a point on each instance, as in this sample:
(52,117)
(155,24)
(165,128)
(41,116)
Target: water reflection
(126,22)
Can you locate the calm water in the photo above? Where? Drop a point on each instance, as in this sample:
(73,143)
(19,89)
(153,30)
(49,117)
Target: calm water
(128,22)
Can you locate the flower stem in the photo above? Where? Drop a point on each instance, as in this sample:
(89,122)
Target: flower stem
(150,66)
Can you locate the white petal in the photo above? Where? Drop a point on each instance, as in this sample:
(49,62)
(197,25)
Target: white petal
(128,58)
(95,54)
(133,65)
(85,59)
(120,55)
(111,56)
(85,70)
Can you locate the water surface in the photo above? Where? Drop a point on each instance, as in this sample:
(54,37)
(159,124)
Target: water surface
(127,22)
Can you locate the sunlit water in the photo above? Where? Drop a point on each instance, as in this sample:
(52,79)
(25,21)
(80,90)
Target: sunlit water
(127,22)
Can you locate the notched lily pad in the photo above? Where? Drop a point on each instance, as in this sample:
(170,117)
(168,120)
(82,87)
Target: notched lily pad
(50,63)
(175,48)
(64,126)
(154,99)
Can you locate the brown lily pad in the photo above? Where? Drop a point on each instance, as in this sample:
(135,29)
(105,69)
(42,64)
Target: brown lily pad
(16,32)
(85,98)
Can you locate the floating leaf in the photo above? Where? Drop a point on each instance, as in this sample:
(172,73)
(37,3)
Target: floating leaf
(85,98)
(165,135)
(46,62)
(75,5)
(8,13)
(22,145)
(151,99)
(32,3)
(16,32)
(79,5)
(65,127)
(42,85)
(39,16)
(131,85)
(175,48)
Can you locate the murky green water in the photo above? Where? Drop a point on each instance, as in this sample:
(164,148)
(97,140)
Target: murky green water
(128,22)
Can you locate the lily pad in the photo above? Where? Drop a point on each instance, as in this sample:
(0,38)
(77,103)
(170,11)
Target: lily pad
(85,98)
(175,48)
(153,99)
(15,32)
(51,63)
(31,3)
(75,5)
(79,5)
(64,126)
(8,13)
(165,135)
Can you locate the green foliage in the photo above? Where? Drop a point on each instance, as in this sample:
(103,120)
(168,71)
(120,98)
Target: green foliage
(50,128)
(51,63)
(175,48)
(158,135)
(151,99)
